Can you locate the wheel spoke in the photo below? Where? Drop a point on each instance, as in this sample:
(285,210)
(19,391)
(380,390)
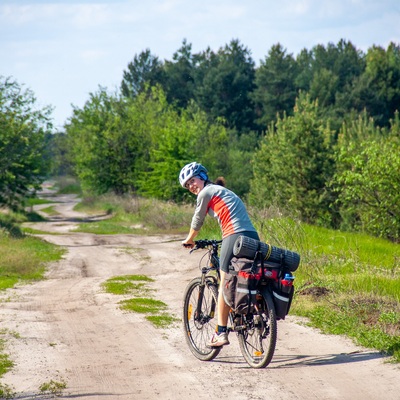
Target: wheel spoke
(258,341)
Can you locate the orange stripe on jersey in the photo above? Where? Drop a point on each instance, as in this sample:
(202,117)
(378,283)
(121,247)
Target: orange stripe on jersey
(218,205)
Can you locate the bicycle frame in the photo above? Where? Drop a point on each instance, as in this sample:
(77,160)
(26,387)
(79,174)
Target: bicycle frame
(214,266)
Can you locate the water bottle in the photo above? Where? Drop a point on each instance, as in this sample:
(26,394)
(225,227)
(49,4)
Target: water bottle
(287,283)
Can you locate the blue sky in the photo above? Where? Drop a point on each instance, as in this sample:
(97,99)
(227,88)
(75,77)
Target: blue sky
(63,50)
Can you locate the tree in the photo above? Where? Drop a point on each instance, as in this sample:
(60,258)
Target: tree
(181,137)
(378,89)
(107,143)
(59,154)
(23,128)
(145,69)
(225,82)
(303,78)
(367,178)
(294,163)
(275,85)
(370,187)
(179,76)
(335,68)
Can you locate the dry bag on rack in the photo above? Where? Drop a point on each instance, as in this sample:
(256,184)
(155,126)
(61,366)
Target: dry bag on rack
(239,290)
(246,247)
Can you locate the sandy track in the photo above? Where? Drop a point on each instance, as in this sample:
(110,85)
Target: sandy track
(70,330)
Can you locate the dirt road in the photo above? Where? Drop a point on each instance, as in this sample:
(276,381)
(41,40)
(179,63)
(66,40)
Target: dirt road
(69,330)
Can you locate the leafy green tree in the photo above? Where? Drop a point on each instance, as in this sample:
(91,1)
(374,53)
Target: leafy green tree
(181,137)
(275,85)
(238,170)
(367,177)
(378,89)
(304,75)
(23,128)
(145,70)
(370,186)
(335,68)
(59,154)
(139,146)
(107,144)
(180,76)
(324,87)
(224,83)
(294,163)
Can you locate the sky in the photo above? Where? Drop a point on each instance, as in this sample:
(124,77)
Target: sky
(64,50)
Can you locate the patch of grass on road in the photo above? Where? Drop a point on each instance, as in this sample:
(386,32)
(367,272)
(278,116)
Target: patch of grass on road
(53,387)
(137,285)
(127,284)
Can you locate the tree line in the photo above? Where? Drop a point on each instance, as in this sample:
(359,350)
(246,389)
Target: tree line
(316,134)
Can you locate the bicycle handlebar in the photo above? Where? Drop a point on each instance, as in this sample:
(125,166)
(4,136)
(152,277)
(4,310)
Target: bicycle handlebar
(202,244)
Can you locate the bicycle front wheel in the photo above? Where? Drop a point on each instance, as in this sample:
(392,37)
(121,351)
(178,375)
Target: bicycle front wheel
(257,342)
(199,318)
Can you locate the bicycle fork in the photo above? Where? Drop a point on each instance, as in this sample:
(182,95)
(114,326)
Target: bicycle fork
(198,316)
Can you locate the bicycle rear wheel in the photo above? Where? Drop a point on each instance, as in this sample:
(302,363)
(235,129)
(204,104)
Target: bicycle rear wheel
(199,323)
(257,342)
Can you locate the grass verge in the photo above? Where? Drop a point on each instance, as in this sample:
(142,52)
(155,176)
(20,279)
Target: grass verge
(347,283)
(134,215)
(23,259)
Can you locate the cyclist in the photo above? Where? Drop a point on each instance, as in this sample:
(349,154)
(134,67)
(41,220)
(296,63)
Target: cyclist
(230,211)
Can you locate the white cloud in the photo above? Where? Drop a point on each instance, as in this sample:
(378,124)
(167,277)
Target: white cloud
(93,55)
(87,16)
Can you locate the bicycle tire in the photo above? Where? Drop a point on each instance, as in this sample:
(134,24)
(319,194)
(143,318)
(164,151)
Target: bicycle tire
(198,329)
(257,342)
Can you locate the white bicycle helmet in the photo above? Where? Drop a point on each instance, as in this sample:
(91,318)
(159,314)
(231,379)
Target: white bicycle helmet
(191,170)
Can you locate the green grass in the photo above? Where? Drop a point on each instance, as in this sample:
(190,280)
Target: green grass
(67,185)
(32,231)
(6,392)
(49,210)
(5,363)
(24,259)
(133,215)
(127,284)
(53,387)
(136,285)
(36,201)
(161,321)
(143,305)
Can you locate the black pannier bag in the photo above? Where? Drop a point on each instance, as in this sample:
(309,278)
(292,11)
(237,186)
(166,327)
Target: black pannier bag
(246,247)
(239,290)
(282,294)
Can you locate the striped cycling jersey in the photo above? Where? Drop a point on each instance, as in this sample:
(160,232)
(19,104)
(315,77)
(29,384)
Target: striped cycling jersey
(221,203)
